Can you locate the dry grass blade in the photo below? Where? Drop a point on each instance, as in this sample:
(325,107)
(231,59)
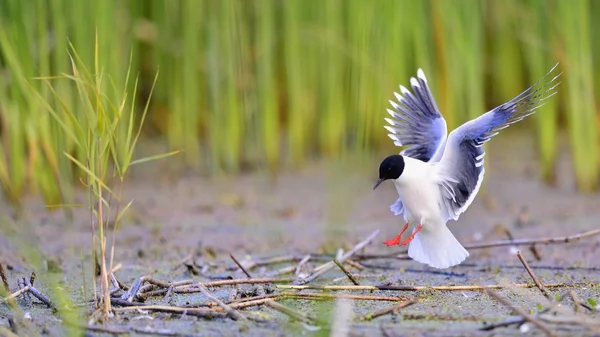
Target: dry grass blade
(522,313)
(386,311)
(197,312)
(535,279)
(15,294)
(328,266)
(253,303)
(232,312)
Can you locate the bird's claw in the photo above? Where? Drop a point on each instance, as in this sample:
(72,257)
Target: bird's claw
(396,240)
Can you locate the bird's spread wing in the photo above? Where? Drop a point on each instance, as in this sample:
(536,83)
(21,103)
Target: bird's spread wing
(416,122)
(460,170)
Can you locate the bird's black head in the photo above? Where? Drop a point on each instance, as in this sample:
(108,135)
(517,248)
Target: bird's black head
(390,168)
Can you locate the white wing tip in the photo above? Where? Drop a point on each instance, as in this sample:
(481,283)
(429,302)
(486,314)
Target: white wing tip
(393,137)
(421,75)
(414,82)
(398,96)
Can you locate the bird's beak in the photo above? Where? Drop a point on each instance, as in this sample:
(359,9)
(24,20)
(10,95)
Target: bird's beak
(378,183)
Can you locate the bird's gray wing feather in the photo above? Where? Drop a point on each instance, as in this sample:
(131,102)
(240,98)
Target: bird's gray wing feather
(416,122)
(460,170)
(397,207)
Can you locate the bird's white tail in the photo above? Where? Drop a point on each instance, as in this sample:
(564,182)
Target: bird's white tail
(437,248)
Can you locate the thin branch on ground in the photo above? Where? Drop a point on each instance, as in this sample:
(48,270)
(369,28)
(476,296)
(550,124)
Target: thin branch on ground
(535,279)
(355,264)
(282,271)
(330,265)
(14,295)
(350,277)
(533,320)
(197,312)
(241,305)
(386,311)
(240,265)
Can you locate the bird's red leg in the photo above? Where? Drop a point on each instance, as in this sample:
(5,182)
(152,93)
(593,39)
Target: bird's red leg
(396,240)
(411,237)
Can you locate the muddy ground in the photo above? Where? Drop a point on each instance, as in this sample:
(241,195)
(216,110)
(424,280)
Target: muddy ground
(318,209)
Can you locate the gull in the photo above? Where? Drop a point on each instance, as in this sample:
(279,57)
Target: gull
(438,175)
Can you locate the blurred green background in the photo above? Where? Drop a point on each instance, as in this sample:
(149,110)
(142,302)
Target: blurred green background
(272,84)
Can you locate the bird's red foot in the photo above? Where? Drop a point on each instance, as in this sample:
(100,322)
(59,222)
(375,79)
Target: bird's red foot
(411,237)
(396,240)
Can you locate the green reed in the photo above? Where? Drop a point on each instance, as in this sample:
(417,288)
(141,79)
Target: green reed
(575,18)
(268,83)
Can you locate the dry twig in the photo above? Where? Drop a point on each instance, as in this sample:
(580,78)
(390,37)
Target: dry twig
(15,294)
(198,312)
(350,277)
(240,265)
(535,279)
(386,311)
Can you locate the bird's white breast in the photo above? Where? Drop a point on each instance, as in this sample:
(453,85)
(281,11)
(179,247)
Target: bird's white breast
(420,194)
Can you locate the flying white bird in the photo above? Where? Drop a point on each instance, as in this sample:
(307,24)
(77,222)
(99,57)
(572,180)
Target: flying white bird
(437,177)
